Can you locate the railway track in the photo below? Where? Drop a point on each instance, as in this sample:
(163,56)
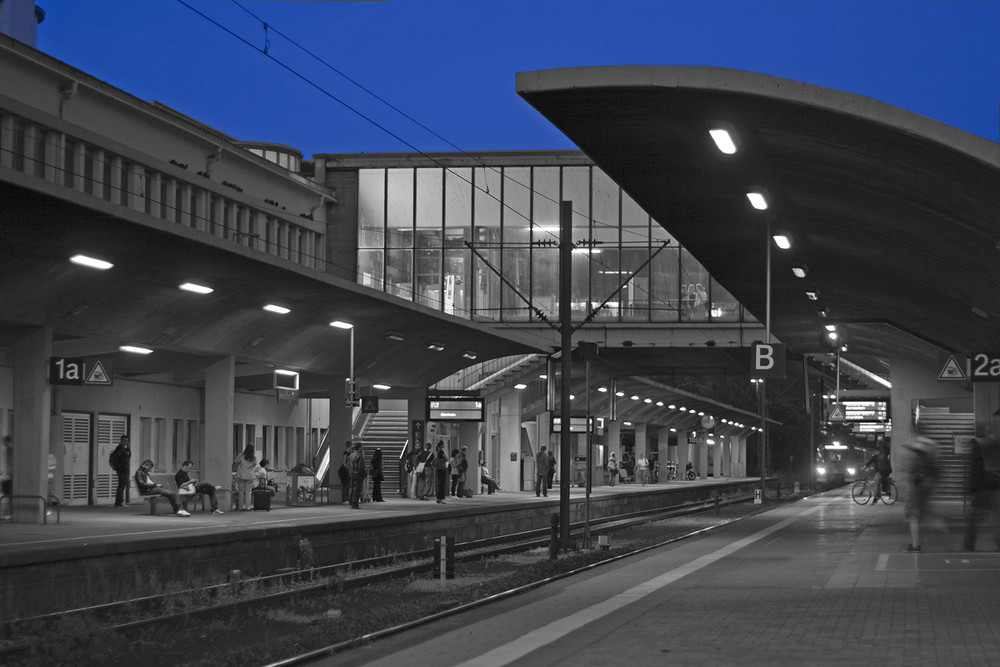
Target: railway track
(241,597)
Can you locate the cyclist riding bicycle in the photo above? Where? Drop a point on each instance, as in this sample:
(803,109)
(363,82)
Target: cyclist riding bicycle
(883,468)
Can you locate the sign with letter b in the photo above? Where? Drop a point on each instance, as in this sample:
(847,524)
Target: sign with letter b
(768,360)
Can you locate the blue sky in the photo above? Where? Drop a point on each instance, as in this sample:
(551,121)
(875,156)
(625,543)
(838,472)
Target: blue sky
(450,64)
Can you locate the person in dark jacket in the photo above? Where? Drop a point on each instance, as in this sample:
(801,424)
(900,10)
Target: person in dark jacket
(883,468)
(121,462)
(148,487)
(377,476)
(440,463)
(182,477)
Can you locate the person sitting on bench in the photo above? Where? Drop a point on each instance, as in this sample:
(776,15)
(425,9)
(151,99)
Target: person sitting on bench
(182,477)
(148,487)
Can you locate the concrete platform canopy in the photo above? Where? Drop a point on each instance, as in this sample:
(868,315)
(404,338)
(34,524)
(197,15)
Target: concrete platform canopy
(891,215)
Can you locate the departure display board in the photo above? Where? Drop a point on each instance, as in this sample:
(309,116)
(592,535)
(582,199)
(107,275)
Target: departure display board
(455,408)
(865,411)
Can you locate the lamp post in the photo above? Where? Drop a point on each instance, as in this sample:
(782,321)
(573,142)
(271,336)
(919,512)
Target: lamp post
(352,385)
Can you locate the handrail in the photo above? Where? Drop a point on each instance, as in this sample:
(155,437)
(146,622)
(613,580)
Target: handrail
(52,500)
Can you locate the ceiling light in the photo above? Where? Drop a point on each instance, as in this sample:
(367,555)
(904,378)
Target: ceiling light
(672,406)
(196,288)
(634,397)
(723,140)
(619,393)
(783,241)
(381,387)
(392,335)
(520,385)
(437,347)
(469,355)
(281,310)
(626,423)
(830,327)
(603,390)
(647,400)
(543,376)
(92,262)
(812,295)
(758,200)
(979,311)
(135,349)
(346,325)
(800,271)
(282,371)
(659,404)
(823,312)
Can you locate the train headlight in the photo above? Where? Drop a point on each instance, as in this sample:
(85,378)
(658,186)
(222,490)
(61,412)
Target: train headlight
(820,470)
(850,471)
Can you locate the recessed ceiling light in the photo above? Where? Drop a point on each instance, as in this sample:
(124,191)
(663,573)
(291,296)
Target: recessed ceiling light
(135,349)
(812,295)
(757,200)
(469,355)
(282,371)
(603,390)
(800,271)
(723,140)
(341,325)
(783,241)
(196,288)
(520,385)
(381,387)
(437,347)
(395,335)
(92,262)
(281,310)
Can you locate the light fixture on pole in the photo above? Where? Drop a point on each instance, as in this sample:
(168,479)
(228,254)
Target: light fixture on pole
(352,384)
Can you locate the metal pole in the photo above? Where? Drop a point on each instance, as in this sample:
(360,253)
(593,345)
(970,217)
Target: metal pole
(767,339)
(566,331)
(587,457)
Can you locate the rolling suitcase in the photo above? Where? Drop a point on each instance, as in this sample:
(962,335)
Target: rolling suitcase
(261,499)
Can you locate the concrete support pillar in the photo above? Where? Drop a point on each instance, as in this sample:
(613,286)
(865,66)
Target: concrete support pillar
(220,380)
(663,453)
(32,425)
(613,443)
(701,458)
(641,440)
(986,402)
(468,436)
(683,453)
(508,469)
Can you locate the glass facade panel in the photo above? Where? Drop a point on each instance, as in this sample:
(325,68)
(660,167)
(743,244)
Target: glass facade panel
(371,208)
(399,213)
(413,225)
(429,277)
(694,290)
(430,207)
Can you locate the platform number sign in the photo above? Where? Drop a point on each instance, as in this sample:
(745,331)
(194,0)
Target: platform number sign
(984,367)
(78,371)
(768,360)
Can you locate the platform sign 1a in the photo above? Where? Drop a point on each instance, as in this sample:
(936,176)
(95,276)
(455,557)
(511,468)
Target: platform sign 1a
(81,372)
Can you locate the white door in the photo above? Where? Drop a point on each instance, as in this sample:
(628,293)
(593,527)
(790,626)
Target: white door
(76,457)
(110,429)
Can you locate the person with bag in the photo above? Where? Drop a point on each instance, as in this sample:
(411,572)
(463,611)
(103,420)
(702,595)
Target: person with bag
(245,467)
(542,463)
(612,469)
(147,487)
(424,472)
(883,468)
(120,461)
(550,480)
(440,465)
(345,476)
(463,470)
(984,487)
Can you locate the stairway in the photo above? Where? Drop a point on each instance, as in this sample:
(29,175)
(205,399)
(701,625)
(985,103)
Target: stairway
(388,431)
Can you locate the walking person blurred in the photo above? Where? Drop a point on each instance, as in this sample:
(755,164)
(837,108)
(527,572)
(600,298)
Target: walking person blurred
(984,487)
(922,476)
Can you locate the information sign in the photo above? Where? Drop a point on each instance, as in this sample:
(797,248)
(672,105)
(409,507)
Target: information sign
(768,361)
(79,371)
(984,367)
(455,408)
(865,411)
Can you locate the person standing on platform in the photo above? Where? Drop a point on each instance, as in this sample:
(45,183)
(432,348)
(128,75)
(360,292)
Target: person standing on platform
(359,469)
(377,476)
(984,486)
(425,472)
(552,468)
(542,463)
(453,464)
(441,465)
(612,469)
(182,477)
(642,469)
(463,472)
(120,460)
(345,475)
(244,467)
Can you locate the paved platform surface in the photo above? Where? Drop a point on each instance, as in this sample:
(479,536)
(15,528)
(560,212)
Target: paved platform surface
(822,581)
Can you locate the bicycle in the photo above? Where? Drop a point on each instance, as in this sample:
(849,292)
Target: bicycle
(864,491)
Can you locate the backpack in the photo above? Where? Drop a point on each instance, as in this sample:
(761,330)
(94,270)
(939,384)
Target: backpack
(114,460)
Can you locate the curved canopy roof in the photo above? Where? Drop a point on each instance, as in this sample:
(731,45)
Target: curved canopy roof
(893,214)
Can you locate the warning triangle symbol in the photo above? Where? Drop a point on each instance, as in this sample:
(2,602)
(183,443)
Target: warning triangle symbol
(98,375)
(837,414)
(952,370)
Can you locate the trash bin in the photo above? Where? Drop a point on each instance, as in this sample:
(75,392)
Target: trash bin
(301,489)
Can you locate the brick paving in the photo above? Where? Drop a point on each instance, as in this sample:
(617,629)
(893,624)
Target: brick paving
(819,582)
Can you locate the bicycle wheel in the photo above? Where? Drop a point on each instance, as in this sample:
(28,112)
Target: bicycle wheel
(892,496)
(861,492)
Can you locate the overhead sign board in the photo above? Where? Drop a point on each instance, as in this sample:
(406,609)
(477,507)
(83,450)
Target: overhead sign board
(81,372)
(865,411)
(579,425)
(456,407)
(768,360)
(984,367)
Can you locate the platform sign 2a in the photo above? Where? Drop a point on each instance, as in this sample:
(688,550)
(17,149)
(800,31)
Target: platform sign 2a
(81,372)
(768,361)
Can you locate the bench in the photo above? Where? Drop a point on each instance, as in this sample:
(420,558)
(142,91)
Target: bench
(167,481)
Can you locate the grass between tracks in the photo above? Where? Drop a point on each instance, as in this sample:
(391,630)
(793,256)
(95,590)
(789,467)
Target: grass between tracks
(269,633)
